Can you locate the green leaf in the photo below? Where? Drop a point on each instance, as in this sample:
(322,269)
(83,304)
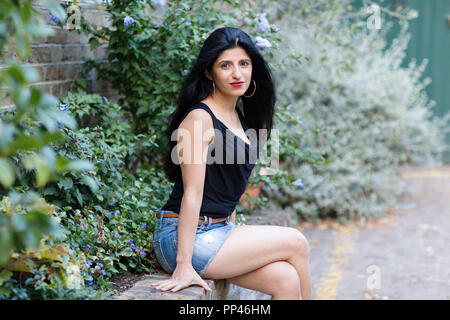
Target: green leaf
(55,9)
(5,275)
(67,183)
(22,142)
(19,223)
(61,163)
(41,223)
(90,183)
(66,119)
(49,138)
(7,175)
(94,43)
(6,245)
(35,96)
(79,165)
(48,155)
(127,252)
(6,134)
(79,197)
(42,169)
(50,191)
(122,266)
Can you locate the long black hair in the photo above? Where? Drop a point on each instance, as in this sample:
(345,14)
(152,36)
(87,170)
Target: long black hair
(258,110)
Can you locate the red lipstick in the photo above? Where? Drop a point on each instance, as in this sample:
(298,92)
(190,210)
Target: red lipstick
(237,84)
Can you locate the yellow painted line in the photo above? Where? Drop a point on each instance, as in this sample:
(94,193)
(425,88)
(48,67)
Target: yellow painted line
(425,174)
(330,279)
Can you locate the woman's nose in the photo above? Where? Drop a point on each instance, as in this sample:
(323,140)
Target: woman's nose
(237,73)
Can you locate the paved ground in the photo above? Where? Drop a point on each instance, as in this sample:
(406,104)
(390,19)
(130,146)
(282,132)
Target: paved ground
(405,255)
(402,256)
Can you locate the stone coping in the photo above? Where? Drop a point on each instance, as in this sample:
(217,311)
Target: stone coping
(143,290)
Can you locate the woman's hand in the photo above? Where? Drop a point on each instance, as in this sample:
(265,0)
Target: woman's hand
(183,276)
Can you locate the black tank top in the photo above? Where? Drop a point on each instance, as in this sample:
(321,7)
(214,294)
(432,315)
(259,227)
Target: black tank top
(224,182)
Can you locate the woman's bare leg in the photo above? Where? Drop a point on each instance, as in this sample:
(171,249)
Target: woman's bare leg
(278,279)
(251,247)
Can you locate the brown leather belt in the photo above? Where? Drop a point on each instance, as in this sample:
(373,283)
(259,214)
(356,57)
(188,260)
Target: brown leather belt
(201,218)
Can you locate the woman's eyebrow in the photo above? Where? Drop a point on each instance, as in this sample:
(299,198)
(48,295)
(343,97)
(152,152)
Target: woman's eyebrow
(245,59)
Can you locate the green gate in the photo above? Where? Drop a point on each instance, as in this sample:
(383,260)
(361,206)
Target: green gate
(430,39)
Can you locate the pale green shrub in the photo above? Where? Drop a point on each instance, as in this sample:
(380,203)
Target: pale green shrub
(380,114)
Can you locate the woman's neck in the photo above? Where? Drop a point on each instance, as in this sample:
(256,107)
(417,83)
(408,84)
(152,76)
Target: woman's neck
(225,106)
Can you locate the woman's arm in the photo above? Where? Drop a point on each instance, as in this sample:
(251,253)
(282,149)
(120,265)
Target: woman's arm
(233,217)
(193,170)
(191,149)
(187,226)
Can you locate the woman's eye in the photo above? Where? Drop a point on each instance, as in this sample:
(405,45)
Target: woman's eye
(224,65)
(245,63)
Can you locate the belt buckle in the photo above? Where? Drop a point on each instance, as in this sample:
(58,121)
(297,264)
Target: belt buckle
(206,219)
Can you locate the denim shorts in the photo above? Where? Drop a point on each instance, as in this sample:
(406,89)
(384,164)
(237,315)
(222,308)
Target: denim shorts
(208,240)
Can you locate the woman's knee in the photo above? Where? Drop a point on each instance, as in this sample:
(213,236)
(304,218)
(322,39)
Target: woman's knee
(299,243)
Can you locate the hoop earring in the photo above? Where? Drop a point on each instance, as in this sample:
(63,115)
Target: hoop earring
(254,90)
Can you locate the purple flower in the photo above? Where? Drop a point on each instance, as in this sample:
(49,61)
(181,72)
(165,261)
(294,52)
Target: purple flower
(105,100)
(289,107)
(104,272)
(144,225)
(54,20)
(298,184)
(262,43)
(63,106)
(263,24)
(128,21)
(89,263)
(89,283)
(160,4)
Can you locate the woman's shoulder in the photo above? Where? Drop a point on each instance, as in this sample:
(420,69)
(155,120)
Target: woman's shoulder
(198,112)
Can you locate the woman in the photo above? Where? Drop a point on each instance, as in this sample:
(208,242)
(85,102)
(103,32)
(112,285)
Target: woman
(195,236)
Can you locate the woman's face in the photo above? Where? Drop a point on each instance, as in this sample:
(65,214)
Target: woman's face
(232,72)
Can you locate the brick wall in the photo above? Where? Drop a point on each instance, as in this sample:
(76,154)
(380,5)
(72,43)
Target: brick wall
(58,58)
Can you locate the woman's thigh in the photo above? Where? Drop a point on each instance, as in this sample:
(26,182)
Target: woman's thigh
(250,247)
(275,277)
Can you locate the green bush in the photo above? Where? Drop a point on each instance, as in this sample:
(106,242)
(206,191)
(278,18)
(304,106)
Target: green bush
(109,216)
(378,112)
